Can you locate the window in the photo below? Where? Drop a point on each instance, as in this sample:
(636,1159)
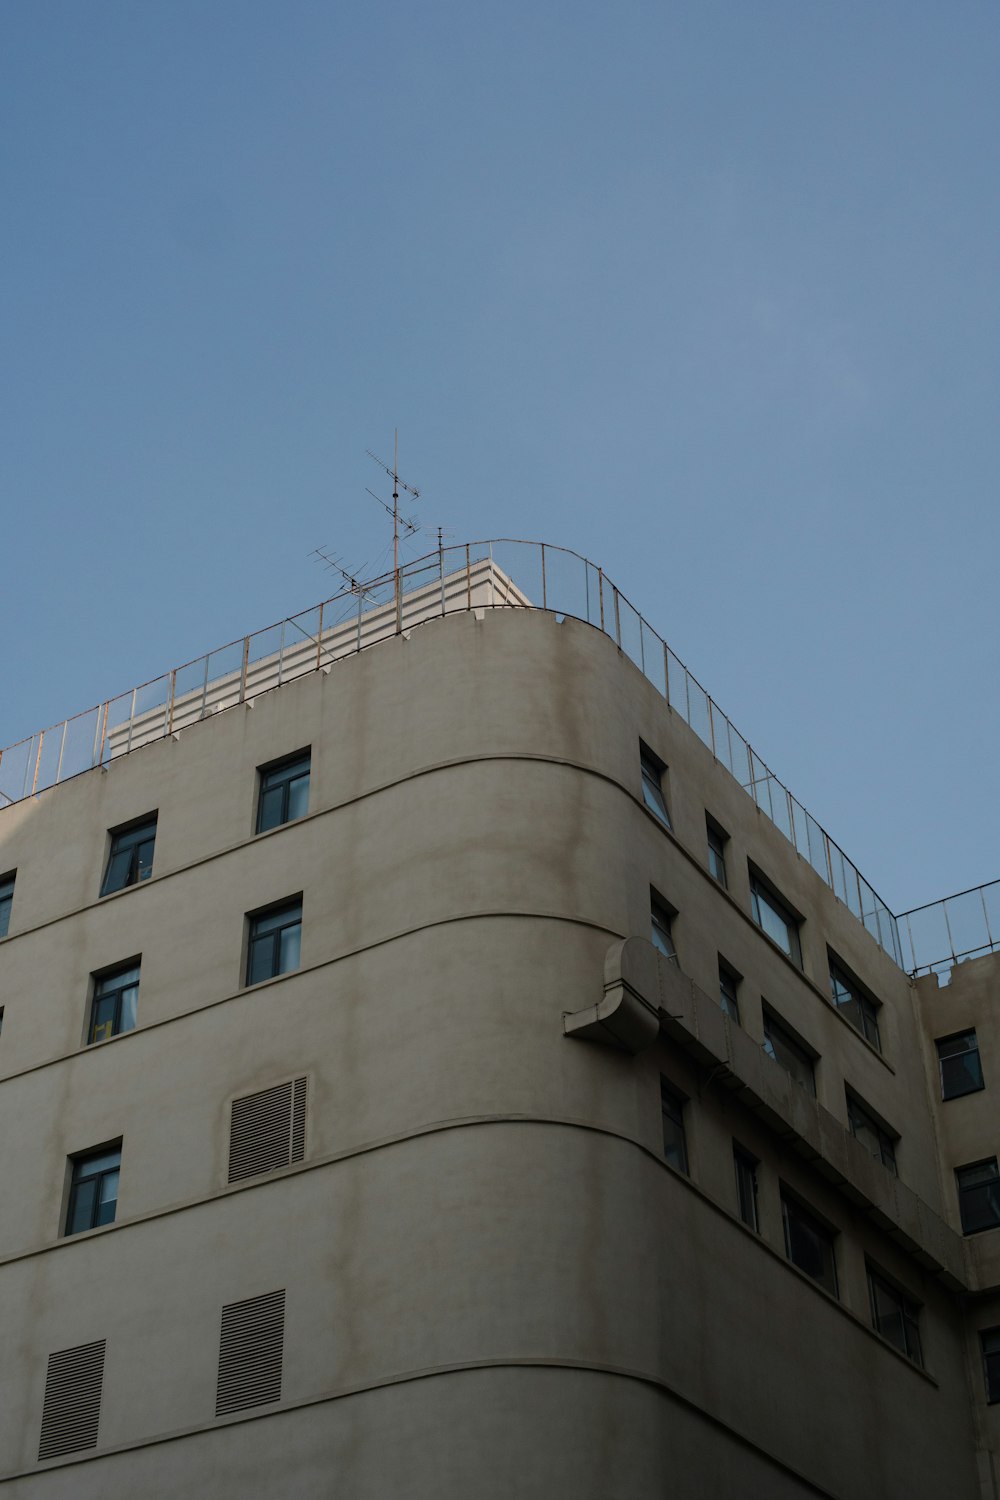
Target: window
(873,1136)
(729,983)
(652,784)
(6,902)
(660,919)
(93,1195)
(116,994)
(989,1340)
(746,1187)
(959,1064)
(131,857)
(674,1141)
(809,1244)
(979,1195)
(275,941)
(775,918)
(717,841)
(854,1005)
(895,1317)
(787,1050)
(284,792)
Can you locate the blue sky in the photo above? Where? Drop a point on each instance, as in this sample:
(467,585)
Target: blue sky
(705,290)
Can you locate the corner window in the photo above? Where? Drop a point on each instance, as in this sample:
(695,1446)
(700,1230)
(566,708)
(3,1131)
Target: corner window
(113,1009)
(895,1317)
(989,1340)
(746,1187)
(775,918)
(131,857)
(873,1136)
(784,1048)
(717,841)
(674,1139)
(6,902)
(729,983)
(93,1195)
(855,1005)
(809,1244)
(979,1195)
(284,792)
(959,1064)
(275,941)
(652,784)
(661,917)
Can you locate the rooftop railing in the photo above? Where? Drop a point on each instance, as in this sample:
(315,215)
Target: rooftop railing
(947,932)
(504,574)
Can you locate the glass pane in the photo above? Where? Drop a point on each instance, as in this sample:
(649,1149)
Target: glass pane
(298,797)
(271,810)
(652,794)
(103,1021)
(130,1000)
(261,964)
(809,1247)
(145,860)
(107,1198)
(81,1208)
(117,872)
(290,948)
(92,1166)
(269,921)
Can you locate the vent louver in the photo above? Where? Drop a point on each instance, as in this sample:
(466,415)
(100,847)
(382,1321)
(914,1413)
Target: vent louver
(267,1130)
(250,1353)
(72,1407)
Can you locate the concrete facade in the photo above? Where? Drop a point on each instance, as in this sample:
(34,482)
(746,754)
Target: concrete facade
(495,1284)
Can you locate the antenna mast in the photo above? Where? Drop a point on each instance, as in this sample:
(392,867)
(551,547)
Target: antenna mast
(411,526)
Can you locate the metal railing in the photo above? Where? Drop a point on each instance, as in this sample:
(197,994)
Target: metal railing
(503,573)
(943,933)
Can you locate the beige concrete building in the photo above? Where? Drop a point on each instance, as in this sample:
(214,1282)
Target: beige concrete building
(432,1072)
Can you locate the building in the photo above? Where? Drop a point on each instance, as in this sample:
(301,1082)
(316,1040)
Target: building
(439,1069)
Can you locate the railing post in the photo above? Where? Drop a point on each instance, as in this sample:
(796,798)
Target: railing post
(204,689)
(131,714)
(170,702)
(243,669)
(62,747)
(38,761)
(104,732)
(666,672)
(618,621)
(468,578)
(600,594)
(545,601)
(319,639)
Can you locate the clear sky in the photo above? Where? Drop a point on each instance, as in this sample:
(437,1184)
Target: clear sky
(705,290)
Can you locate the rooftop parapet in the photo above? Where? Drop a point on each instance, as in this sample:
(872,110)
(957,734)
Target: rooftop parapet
(502,574)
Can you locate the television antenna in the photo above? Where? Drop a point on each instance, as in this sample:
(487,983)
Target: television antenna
(410,524)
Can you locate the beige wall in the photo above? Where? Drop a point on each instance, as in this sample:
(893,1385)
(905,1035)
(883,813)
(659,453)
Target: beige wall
(483,1213)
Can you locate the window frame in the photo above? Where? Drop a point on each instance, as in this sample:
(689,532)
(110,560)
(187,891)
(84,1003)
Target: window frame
(992,1385)
(136,872)
(763,894)
(989,1187)
(861,1119)
(661,920)
(717,839)
(672,1106)
(729,1002)
(808,1222)
(747,1199)
(654,794)
(858,1007)
(910,1344)
(280,776)
(955,1036)
(112,1152)
(272,934)
(795,1046)
(7,883)
(102,989)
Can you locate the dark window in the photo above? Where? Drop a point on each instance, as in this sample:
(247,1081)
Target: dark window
(989,1338)
(284,792)
(785,1049)
(729,984)
(717,841)
(959,1064)
(660,918)
(6,902)
(746,1186)
(775,918)
(873,1136)
(131,857)
(674,1141)
(93,1195)
(1,1018)
(857,1007)
(652,784)
(979,1195)
(809,1244)
(275,941)
(116,994)
(895,1317)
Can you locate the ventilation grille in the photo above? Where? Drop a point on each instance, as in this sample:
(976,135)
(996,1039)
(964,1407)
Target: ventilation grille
(250,1353)
(72,1406)
(268,1130)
